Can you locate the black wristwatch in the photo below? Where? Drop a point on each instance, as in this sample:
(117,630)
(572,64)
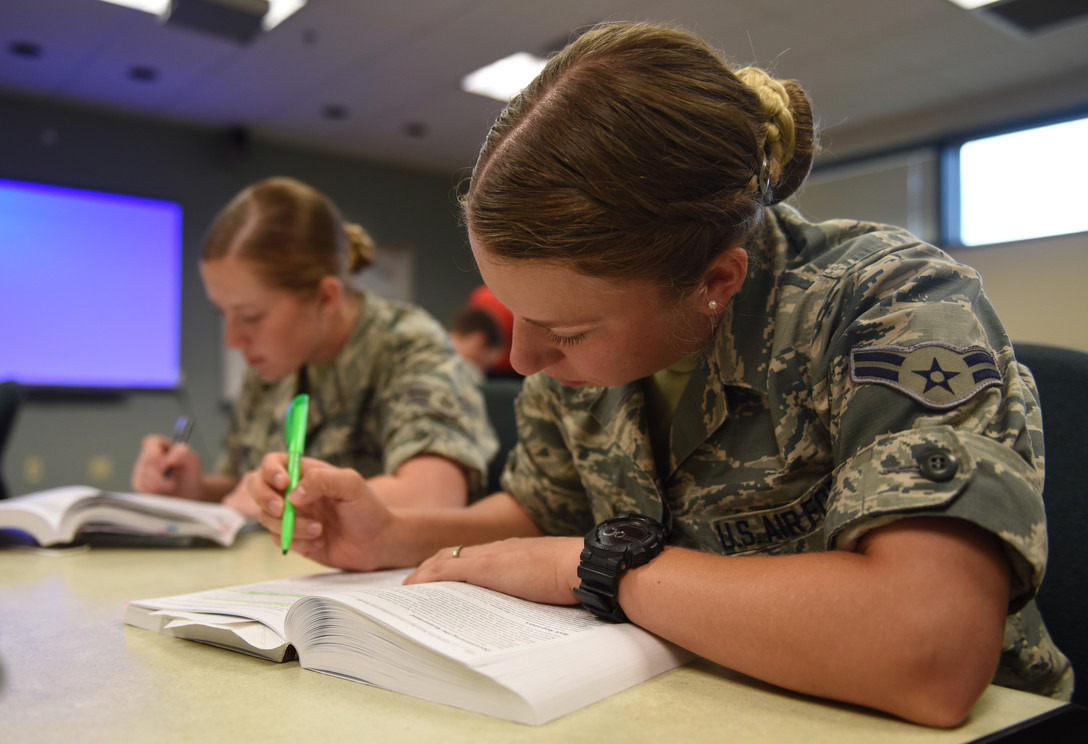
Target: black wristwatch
(622,542)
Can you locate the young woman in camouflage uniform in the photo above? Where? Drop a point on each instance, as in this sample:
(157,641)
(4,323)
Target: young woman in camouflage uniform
(828,418)
(389,398)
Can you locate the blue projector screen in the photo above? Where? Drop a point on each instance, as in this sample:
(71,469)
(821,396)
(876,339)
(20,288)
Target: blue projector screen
(90,288)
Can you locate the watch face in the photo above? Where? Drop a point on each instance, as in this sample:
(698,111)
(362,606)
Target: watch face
(621,531)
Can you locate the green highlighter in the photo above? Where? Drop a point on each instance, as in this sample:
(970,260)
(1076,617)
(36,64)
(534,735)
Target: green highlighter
(297,413)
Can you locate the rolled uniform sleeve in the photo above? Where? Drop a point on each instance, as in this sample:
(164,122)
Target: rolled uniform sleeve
(941,471)
(424,399)
(930,414)
(430,404)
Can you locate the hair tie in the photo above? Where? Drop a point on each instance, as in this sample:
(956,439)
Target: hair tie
(765,179)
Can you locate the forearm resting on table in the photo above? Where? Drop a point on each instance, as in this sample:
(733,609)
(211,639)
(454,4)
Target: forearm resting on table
(423,481)
(911,623)
(215,486)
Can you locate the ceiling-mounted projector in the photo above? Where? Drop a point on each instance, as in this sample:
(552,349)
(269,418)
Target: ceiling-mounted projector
(239,20)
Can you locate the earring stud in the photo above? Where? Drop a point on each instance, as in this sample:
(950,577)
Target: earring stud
(713,304)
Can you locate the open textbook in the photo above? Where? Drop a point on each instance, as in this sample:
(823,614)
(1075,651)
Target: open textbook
(85,514)
(449,642)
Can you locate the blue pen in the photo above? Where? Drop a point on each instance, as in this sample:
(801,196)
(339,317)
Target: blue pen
(295,425)
(183,427)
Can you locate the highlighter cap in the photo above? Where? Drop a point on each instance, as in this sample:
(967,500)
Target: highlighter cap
(297,414)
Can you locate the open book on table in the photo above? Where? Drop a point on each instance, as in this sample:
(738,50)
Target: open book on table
(86,514)
(449,642)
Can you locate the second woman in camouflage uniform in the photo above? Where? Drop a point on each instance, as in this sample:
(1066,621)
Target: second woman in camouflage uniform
(389,398)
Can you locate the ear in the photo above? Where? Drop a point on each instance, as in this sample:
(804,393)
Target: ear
(724,278)
(330,290)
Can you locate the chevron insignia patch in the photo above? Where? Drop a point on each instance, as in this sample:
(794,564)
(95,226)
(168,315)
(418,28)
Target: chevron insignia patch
(935,374)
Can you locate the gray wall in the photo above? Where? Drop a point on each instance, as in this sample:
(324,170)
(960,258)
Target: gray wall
(1036,286)
(65,440)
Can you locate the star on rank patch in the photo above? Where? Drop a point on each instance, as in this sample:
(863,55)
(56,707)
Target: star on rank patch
(935,374)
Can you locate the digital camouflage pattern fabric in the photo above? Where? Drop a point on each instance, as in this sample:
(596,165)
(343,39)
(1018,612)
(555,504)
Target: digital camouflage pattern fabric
(396,390)
(860,376)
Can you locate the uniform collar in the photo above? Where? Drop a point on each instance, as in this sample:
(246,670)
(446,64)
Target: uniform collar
(328,398)
(738,356)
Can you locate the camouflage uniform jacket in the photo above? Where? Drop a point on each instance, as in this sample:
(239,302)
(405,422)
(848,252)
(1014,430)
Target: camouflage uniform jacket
(860,376)
(396,390)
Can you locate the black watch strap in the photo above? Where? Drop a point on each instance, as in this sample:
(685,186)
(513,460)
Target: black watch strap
(597,593)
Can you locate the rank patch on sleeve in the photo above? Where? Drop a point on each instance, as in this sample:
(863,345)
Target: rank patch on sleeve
(935,374)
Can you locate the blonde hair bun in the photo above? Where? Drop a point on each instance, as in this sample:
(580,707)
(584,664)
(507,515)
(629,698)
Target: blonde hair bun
(775,101)
(360,247)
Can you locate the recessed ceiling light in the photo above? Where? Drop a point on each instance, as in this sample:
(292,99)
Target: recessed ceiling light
(25,49)
(143,73)
(505,78)
(335,112)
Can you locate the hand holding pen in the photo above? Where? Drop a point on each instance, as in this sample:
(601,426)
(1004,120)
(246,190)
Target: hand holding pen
(166,466)
(183,427)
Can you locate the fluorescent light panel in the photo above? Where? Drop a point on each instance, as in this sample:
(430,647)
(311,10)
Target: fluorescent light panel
(972,4)
(148,6)
(504,78)
(278,10)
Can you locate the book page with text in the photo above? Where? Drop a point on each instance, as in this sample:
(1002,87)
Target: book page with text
(267,602)
(478,649)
